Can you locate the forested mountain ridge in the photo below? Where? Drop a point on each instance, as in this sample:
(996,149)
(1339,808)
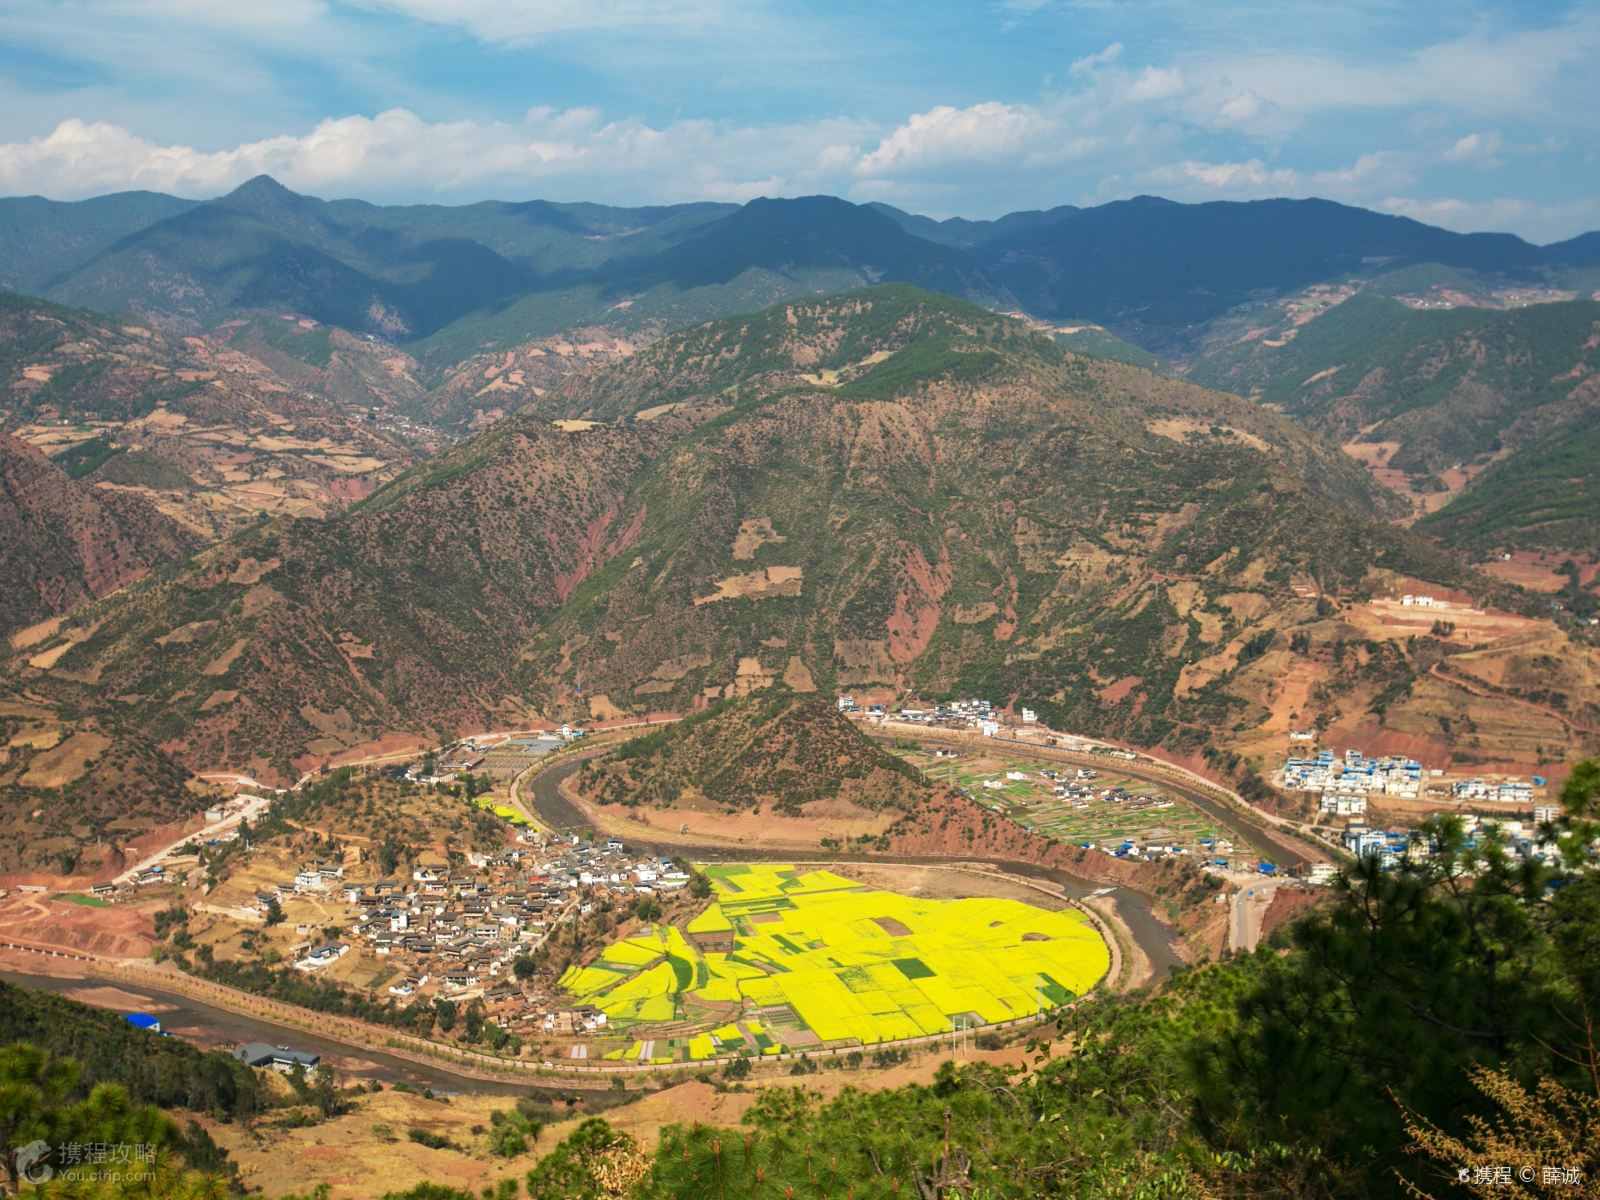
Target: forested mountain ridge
(449,283)
(1488,412)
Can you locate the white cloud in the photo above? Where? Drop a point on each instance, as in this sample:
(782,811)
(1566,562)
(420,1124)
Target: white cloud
(573,151)
(1245,111)
(1477,149)
(1156,83)
(1368,176)
(1540,222)
(986,132)
(1091,62)
(1523,73)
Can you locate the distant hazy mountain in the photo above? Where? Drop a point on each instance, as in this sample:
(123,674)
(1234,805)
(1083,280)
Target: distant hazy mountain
(958,231)
(42,240)
(1151,270)
(451,282)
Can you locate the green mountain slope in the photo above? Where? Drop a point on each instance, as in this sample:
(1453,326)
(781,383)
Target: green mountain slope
(1461,398)
(41,240)
(1547,496)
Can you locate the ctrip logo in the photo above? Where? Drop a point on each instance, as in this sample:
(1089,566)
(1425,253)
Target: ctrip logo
(31,1165)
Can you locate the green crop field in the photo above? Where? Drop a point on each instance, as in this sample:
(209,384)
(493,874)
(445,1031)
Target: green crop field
(812,958)
(1143,813)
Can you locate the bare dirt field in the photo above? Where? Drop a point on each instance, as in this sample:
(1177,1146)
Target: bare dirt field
(1392,618)
(1374,456)
(698,825)
(366,1152)
(113,931)
(1537,572)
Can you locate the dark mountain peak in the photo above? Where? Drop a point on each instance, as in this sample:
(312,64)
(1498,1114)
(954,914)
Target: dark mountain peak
(819,239)
(259,187)
(265,197)
(1581,251)
(788,213)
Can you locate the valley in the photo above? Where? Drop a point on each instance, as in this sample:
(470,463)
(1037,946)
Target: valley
(577,678)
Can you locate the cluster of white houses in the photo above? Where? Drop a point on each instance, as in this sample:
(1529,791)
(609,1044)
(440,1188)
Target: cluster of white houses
(975,713)
(1345,783)
(1522,839)
(454,931)
(1499,791)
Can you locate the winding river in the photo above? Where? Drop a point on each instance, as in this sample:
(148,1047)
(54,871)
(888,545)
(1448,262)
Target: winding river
(560,815)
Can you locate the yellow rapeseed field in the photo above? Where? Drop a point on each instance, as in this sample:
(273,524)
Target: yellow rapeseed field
(806,958)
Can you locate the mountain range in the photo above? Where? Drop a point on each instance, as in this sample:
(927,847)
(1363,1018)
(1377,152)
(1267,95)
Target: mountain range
(450,282)
(1484,418)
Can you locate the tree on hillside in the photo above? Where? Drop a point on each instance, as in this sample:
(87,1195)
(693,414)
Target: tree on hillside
(445,1012)
(41,1111)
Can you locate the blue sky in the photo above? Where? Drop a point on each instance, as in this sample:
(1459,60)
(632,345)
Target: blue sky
(1471,115)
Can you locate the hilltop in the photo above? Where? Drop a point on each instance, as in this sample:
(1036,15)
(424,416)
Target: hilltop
(778,751)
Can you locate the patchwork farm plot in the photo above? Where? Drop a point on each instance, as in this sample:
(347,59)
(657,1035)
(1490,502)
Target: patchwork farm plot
(787,959)
(504,811)
(1113,810)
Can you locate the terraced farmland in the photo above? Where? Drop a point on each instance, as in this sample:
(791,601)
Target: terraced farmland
(788,959)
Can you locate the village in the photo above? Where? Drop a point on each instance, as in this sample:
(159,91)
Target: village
(1346,785)
(1343,784)
(457,932)
(488,927)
